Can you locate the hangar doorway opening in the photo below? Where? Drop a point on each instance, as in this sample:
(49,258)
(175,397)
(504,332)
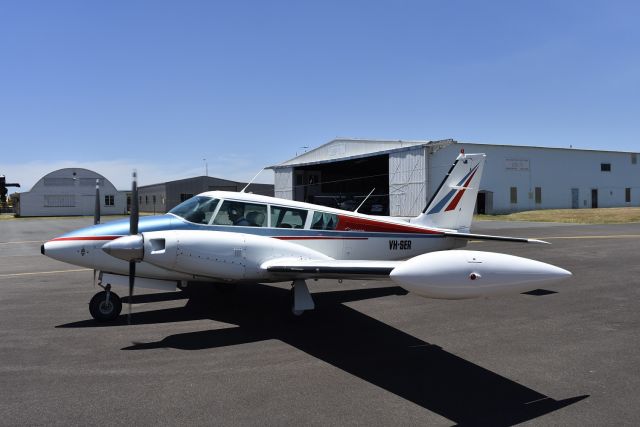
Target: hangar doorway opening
(484,202)
(345,184)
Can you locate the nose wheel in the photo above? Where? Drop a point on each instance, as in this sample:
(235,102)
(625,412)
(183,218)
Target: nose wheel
(105,305)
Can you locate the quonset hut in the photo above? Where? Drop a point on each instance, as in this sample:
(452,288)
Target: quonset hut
(71,191)
(405,174)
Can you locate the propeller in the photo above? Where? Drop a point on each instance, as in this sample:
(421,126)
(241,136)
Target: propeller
(133,231)
(96,218)
(96,212)
(129,248)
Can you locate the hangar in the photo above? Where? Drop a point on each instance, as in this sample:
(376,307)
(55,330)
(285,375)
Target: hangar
(70,191)
(160,198)
(405,174)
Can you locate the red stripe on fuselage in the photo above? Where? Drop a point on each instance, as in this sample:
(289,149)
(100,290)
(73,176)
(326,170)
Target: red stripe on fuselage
(66,239)
(355,224)
(318,238)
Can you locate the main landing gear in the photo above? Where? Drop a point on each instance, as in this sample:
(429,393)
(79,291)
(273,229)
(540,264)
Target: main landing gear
(302,300)
(105,305)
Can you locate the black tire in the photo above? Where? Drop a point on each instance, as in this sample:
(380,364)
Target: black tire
(101,311)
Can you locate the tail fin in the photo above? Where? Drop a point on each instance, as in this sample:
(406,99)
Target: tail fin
(453,202)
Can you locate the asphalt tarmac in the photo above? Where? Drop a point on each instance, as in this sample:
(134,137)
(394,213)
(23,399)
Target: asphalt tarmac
(370,354)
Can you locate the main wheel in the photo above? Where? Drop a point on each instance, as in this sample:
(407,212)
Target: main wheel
(104,311)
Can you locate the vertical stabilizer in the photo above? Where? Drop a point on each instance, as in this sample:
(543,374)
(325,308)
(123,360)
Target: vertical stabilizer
(453,203)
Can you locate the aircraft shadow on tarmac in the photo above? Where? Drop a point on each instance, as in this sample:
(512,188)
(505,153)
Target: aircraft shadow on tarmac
(420,372)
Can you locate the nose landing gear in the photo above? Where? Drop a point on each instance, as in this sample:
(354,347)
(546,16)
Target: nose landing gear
(105,305)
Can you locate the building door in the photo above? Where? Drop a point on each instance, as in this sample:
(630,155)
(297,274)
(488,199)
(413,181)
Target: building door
(484,203)
(480,209)
(594,198)
(575,198)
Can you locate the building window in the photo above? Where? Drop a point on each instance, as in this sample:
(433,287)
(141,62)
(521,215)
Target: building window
(109,200)
(146,200)
(605,167)
(514,195)
(634,158)
(185,196)
(154,199)
(627,195)
(538,195)
(140,201)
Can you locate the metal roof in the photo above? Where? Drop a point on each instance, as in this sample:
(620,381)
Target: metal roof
(348,149)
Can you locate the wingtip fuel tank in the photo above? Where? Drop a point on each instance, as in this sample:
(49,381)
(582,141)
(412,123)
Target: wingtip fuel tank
(459,274)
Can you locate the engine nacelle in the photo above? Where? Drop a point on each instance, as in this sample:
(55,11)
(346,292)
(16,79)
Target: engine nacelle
(219,255)
(458,274)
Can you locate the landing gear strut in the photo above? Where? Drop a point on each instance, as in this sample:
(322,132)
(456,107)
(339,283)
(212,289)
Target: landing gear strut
(105,305)
(302,300)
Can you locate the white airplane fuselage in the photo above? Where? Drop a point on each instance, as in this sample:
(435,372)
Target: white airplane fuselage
(238,248)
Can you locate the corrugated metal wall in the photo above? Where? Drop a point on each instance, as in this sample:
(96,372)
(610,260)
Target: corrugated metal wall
(407,182)
(283,180)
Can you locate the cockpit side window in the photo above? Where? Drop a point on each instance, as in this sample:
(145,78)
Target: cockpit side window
(282,217)
(197,209)
(242,214)
(324,221)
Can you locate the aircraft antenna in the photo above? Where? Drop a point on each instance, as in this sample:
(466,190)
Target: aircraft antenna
(251,182)
(365,199)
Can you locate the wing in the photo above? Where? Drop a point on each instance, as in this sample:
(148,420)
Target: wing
(471,236)
(330,269)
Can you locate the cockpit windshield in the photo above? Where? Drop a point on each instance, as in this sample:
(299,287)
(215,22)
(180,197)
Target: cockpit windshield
(197,209)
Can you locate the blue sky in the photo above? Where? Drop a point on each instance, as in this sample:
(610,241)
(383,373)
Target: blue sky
(160,85)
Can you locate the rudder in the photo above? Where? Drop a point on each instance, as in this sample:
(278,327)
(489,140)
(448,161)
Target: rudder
(453,203)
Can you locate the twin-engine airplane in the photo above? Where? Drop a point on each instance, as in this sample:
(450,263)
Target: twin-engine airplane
(232,237)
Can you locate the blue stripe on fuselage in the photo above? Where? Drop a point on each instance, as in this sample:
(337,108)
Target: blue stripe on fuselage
(172,222)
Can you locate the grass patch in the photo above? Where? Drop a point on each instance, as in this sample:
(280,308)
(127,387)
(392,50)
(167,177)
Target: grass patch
(572,216)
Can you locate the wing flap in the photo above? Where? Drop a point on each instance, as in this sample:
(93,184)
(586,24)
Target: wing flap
(329,269)
(471,236)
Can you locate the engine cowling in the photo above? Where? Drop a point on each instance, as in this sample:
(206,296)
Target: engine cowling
(219,255)
(458,274)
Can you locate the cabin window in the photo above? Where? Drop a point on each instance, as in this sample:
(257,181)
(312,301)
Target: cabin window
(324,221)
(282,217)
(241,214)
(196,209)
(109,200)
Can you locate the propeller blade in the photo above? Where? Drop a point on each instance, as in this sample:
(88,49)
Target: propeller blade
(133,219)
(132,278)
(133,230)
(96,213)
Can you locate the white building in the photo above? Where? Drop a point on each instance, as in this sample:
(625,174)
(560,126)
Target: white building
(71,191)
(405,175)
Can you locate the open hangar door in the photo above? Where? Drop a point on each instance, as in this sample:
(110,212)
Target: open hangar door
(344,184)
